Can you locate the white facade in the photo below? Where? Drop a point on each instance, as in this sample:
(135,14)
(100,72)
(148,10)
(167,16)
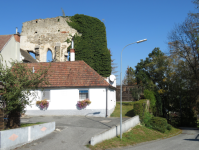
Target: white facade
(11,51)
(64,102)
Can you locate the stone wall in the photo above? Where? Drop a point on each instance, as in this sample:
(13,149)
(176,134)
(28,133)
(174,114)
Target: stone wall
(40,35)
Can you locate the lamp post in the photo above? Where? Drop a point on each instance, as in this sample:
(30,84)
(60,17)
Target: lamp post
(121,86)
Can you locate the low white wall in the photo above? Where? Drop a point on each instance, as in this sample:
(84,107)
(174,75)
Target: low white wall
(64,102)
(115,131)
(15,137)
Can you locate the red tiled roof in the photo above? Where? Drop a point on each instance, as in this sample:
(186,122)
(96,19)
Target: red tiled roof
(71,74)
(3,40)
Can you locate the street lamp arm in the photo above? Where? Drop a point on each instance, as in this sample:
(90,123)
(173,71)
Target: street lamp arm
(128,45)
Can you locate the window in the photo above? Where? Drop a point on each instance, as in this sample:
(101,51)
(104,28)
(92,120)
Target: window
(83,94)
(46,95)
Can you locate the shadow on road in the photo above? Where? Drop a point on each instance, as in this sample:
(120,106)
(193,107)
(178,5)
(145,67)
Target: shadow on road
(196,139)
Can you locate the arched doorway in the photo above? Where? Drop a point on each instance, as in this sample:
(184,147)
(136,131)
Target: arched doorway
(49,56)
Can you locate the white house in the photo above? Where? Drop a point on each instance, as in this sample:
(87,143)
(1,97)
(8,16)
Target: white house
(10,49)
(73,81)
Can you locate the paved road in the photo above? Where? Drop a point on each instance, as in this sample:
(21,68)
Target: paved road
(75,132)
(188,140)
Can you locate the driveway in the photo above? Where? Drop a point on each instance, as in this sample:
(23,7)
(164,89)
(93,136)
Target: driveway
(188,140)
(75,132)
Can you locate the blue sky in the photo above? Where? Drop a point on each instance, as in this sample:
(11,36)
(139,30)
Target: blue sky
(126,21)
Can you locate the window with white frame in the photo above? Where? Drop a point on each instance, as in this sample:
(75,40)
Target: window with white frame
(83,94)
(46,94)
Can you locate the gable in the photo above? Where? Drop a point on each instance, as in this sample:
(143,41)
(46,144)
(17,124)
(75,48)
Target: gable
(3,40)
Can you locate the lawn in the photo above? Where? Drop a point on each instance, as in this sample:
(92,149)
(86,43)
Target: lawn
(127,108)
(137,135)
(30,124)
(27,125)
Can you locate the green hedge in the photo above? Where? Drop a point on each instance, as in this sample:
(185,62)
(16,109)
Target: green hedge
(159,124)
(139,108)
(91,46)
(150,95)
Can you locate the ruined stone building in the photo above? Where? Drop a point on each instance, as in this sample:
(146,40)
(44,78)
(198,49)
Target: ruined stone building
(40,35)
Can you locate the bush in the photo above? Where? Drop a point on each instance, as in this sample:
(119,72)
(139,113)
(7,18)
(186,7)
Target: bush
(158,123)
(139,108)
(169,127)
(147,117)
(150,95)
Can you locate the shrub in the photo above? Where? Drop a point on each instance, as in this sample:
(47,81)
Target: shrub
(139,108)
(147,117)
(158,123)
(169,127)
(150,95)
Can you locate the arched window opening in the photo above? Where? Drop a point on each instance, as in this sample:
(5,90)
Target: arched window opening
(32,54)
(49,57)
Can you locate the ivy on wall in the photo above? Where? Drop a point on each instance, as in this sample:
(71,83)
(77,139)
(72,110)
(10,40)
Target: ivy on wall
(91,46)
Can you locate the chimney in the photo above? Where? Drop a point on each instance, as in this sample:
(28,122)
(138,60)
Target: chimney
(72,51)
(17,35)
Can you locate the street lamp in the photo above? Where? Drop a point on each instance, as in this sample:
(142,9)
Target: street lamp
(121,86)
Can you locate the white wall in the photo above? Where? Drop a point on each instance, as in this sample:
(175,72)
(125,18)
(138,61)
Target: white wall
(11,51)
(63,102)
(111,101)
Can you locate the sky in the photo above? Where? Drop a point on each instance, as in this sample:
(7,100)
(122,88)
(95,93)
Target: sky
(126,21)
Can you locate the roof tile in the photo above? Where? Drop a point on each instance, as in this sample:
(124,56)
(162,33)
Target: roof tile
(71,74)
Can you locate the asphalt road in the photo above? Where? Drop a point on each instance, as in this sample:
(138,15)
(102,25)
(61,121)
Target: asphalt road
(75,132)
(188,140)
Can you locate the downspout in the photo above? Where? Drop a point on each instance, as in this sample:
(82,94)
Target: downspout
(106,102)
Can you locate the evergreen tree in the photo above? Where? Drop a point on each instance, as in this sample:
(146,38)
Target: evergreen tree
(91,46)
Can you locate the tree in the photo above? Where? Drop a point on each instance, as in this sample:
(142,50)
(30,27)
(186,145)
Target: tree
(129,78)
(184,42)
(91,46)
(150,74)
(183,79)
(18,82)
(113,66)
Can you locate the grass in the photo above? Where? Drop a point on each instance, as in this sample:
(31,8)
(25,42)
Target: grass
(137,135)
(27,125)
(30,124)
(127,108)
